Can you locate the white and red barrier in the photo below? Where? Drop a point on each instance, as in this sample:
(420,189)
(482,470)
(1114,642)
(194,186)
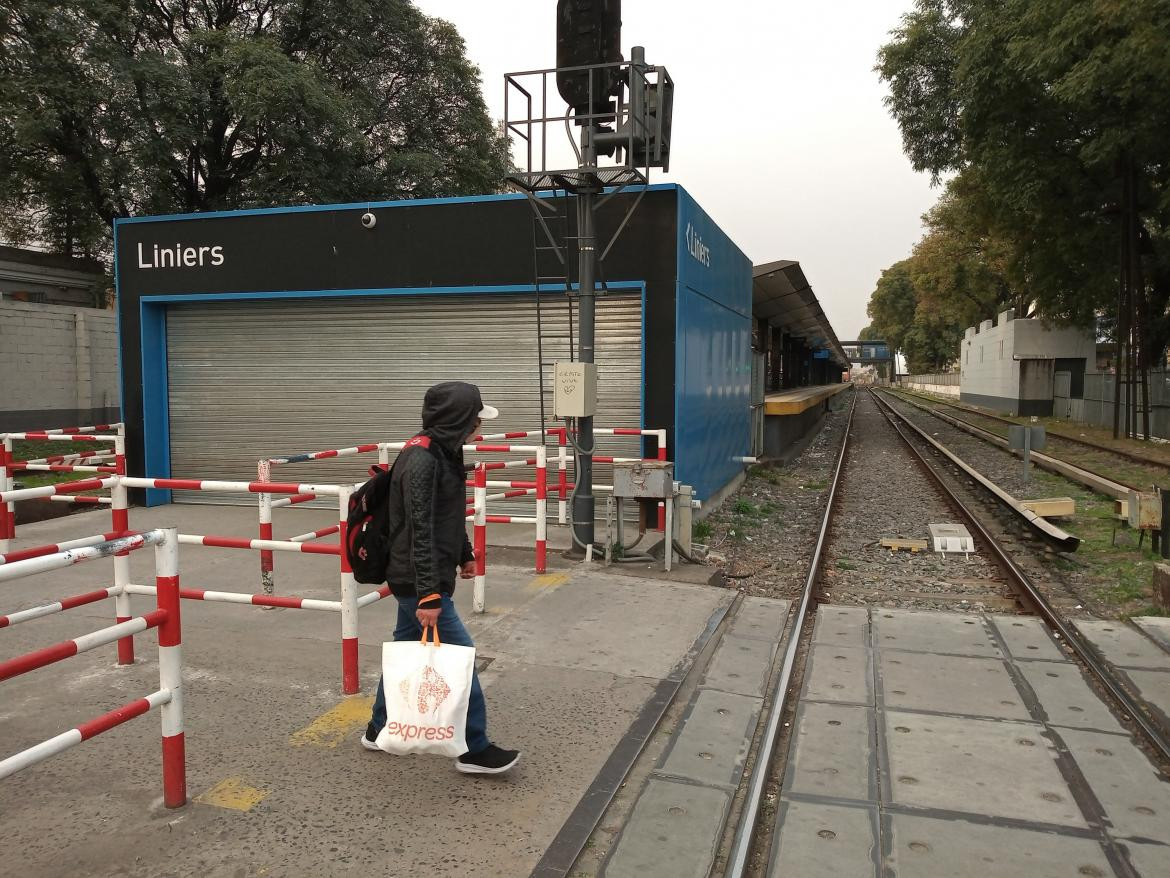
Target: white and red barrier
(72,462)
(539,460)
(165,618)
(122,589)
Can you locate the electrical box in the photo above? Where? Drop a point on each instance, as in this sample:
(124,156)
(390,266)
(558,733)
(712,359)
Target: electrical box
(643,479)
(951,538)
(575,390)
(1145,510)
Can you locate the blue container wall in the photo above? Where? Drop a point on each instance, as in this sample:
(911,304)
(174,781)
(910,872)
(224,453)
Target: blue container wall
(713,366)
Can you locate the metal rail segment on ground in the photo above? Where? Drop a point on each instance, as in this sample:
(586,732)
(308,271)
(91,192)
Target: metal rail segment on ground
(1033,600)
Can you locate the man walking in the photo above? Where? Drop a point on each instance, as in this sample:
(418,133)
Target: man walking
(428,542)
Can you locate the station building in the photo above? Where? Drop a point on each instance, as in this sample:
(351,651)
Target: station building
(1018,365)
(260,333)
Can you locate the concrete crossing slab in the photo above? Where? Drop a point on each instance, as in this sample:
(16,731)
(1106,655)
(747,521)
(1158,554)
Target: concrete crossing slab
(925,847)
(1149,859)
(740,665)
(673,832)
(844,626)
(1027,638)
(1153,686)
(760,618)
(713,742)
(943,633)
(976,766)
(949,684)
(1124,646)
(1136,800)
(833,753)
(1066,697)
(825,841)
(1157,628)
(839,673)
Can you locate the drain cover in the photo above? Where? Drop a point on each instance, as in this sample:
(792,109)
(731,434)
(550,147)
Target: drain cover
(951,538)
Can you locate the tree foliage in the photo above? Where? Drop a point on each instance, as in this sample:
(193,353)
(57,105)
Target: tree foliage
(111,108)
(926,337)
(1040,105)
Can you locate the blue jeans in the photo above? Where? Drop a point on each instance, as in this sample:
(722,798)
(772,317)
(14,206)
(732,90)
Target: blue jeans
(451,631)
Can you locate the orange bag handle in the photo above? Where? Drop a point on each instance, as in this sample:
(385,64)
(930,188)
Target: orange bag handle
(434,629)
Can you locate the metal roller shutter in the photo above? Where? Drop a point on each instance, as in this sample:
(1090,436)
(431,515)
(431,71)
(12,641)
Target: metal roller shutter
(253,379)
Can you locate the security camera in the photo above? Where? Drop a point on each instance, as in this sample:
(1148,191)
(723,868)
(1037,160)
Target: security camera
(369,220)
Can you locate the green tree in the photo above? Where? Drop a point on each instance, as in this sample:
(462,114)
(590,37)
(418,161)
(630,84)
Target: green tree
(892,305)
(1043,105)
(111,108)
(963,268)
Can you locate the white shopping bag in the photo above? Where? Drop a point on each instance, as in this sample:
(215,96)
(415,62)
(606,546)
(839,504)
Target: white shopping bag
(427,687)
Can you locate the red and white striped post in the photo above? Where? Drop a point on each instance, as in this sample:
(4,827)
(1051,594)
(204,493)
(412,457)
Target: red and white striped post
(120,524)
(7,509)
(349,597)
(541,510)
(562,475)
(170,669)
(662,457)
(264,474)
(479,544)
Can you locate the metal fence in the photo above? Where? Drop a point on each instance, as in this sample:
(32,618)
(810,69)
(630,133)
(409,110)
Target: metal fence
(1097,405)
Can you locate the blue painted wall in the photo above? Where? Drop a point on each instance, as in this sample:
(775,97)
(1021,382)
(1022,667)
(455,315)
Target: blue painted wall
(713,367)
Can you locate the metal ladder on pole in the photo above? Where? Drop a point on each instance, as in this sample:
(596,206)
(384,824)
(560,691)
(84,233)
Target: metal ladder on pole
(551,261)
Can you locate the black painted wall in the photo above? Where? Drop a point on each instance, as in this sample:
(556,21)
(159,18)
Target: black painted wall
(444,243)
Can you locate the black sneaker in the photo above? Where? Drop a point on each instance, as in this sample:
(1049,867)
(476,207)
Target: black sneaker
(490,760)
(369,737)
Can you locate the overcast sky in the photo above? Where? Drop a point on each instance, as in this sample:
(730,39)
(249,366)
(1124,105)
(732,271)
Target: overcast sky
(779,128)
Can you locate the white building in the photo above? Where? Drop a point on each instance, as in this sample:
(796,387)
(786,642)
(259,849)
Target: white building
(1016,366)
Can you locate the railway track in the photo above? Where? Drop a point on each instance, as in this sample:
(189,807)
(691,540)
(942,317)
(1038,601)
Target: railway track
(1107,463)
(911,496)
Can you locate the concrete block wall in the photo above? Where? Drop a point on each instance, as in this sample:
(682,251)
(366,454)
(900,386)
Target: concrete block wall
(58,366)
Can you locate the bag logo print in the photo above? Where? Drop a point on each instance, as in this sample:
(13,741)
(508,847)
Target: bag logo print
(431,693)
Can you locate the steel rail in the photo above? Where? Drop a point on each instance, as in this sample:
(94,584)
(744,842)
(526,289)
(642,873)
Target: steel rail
(1063,437)
(741,846)
(1032,599)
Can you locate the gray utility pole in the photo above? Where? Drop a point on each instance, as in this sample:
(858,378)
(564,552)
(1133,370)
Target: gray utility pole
(584,501)
(601,90)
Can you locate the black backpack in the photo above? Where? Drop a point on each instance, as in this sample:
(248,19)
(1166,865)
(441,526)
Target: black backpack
(368,538)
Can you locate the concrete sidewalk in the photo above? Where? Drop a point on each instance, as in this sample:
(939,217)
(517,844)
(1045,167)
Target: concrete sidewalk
(279,783)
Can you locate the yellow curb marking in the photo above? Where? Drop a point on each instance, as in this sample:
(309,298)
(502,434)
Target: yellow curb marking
(336,724)
(232,793)
(549,580)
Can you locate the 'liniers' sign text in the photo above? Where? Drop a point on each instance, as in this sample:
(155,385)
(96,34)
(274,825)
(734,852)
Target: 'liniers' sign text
(697,248)
(179,256)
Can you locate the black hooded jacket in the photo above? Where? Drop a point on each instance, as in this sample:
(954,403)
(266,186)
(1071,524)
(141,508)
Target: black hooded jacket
(427,511)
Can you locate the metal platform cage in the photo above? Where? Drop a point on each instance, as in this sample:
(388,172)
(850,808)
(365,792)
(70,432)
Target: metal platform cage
(630,118)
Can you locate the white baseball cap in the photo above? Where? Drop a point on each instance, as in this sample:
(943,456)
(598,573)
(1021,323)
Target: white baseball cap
(488,412)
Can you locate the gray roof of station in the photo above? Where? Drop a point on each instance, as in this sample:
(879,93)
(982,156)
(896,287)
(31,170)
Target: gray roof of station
(781,295)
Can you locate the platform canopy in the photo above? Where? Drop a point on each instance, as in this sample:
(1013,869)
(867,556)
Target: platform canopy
(782,297)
